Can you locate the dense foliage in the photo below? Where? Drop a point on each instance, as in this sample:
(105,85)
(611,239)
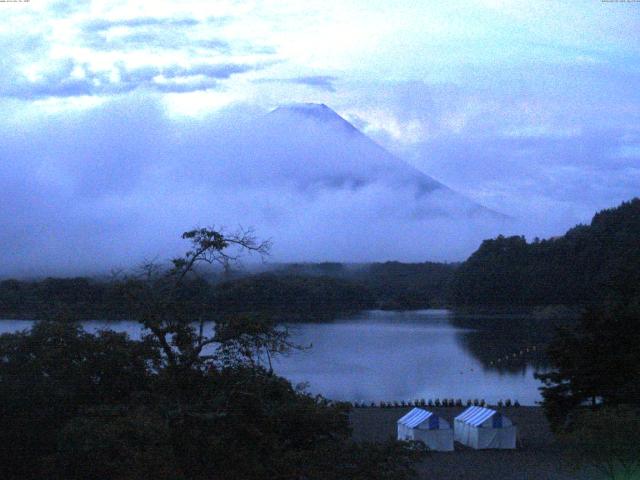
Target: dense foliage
(596,363)
(607,439)
(592,393)
(83,298)
(399,286)
(393,285)
(579,268)
(80,406)
(56,373)
(292,296)
(296,292)
(182,403)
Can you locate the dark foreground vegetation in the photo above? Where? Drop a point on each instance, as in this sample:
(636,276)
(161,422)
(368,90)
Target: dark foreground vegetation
(178,404)
(80,406)
(592,395)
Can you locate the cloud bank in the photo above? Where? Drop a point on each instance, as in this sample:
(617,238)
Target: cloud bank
(110,186)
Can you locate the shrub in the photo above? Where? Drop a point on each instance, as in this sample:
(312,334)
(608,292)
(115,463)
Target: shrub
(607,438)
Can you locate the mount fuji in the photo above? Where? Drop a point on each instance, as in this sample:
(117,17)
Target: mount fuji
(323,190)
(322,150)
(301,175)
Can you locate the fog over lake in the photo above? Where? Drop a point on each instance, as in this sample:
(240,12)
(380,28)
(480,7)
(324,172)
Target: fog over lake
(387,356)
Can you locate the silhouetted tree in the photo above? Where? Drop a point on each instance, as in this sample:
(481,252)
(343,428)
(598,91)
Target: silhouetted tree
(183,403)
(596,363)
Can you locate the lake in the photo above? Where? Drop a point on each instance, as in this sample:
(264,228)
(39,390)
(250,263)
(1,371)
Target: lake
(392,356)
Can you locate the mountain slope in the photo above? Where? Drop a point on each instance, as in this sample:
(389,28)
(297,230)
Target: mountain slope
(325,150)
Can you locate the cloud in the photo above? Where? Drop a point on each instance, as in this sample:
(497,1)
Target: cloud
(166,33)
(320,82)
(76,55)
(67,78)
(101,25)
(552,149)
(171,40)
(63,8)
(112,185)
(552,180)
(385,123)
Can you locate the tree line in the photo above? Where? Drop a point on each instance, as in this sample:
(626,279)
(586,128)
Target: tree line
(581,267)
(292,292)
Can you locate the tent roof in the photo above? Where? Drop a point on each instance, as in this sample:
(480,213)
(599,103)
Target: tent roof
(475,416)
(415,417)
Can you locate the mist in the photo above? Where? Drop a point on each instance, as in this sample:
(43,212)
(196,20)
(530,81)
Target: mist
(110,186)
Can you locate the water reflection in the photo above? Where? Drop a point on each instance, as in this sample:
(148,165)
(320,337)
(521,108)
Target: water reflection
(385,356)
(506,343)
(427,354)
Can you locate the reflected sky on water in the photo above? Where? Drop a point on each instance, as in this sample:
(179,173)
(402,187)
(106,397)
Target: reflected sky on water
(387,356)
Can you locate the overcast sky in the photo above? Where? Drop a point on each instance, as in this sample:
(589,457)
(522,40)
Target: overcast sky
(529,108)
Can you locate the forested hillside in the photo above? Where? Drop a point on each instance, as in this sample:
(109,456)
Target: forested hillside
(287,296)
(393,285)
(291,296)
(587,264)
(296,291)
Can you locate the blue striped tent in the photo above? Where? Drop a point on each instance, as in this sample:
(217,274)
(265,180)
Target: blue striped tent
(481,428)
(419,424)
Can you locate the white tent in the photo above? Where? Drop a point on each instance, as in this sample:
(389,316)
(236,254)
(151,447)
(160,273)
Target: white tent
(479,428)
(428,427)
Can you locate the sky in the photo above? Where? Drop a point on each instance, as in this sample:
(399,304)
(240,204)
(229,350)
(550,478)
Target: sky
(116,115)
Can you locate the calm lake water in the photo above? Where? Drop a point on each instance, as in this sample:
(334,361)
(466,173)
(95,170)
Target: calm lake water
(386,356)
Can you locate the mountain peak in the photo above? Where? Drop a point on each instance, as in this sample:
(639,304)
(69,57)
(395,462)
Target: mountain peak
(307,109)
(332,160)
(318,112)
